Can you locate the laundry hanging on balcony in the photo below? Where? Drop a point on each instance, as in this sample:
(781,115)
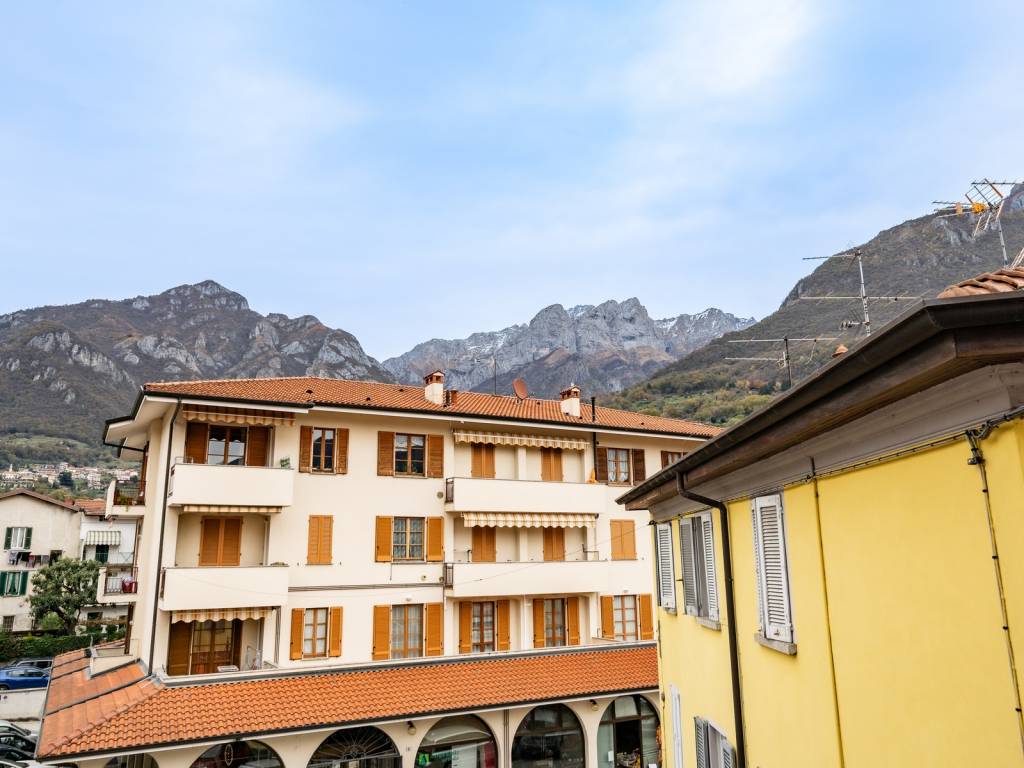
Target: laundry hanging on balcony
(110,538)
(528,520)
(250,416)
(527,441)
(221,614)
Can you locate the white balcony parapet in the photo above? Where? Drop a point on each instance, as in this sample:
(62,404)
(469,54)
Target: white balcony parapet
(539,578)
(199,588)
(473,494)
(220,485)
(117,586)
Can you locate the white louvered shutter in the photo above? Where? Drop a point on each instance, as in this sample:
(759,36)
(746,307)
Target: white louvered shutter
(773,570)
(701,737)
(710,582)
(666,566)
(728,758)
(677,726)
(688,558)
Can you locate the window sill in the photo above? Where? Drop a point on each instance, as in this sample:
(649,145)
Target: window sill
(776,645)
(709,623)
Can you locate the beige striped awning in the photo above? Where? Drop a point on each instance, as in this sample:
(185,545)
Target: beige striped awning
(111,538)
(235,509)
(220,614)
(528,520)
(251,416)
(528,441)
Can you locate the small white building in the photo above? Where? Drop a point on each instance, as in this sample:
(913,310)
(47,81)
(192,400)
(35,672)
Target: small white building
(108,536)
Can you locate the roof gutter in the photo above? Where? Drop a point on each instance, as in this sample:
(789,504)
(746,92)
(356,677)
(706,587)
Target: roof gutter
(730,608)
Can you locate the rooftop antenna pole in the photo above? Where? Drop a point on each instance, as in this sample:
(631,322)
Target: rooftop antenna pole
(786,360)
(863,295)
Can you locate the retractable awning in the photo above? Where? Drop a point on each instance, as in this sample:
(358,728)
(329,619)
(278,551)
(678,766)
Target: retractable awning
(528,441)
(528,520)
(235,509)
(248,416)
(110,538)
(220,614)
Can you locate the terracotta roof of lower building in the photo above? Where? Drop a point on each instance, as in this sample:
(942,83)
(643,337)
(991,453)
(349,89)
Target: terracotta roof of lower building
(1000,281)
(150,713)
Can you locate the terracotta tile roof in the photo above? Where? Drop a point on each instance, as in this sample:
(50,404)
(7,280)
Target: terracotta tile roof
(39,497)
(91,505)
(149,713)
(1000,281)
(311,390)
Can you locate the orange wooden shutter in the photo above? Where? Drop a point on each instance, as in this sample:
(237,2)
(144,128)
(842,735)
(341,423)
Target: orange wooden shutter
(179,647)
(601,465)
(231,543)
(435,539)
(554,544)
(196,443)
(381,632)
(434,629)
(489,460)
(616,528)
(483,545)
(502,629)
(334,631)
(551,464)
(646,612)
(666,458)
(639,471)
(305,448)
(385,453)
(556,465)
(545,464)
(382,548)
(627,534)
(435,455)
(298,617)
(465,627)
(476,453)
(209,541)
(538,623)
(607,617)
(341,451)
(319,542)
(257,441)
(572,620)
(326,548)
(313,540)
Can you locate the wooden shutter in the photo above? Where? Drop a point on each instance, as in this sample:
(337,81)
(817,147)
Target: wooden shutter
(554,544)
(666,458)
(305,448)
(434,624)
(209,541)
(435,455)
(639,469)
(701,737)
(688,559)
(334,631)
(572,620)
(502,628)
(385,453)
(320,542)
(383,545)
(551,464)
(196,442)
(435,539)
(601,465)
(645,609)
(178,648)
(616,529)
(773,570)
(708,558)
(627,532)
(489,461)
(607,617)
(7,538)
(381,632)
(482,460)
(484,544)
(665,566)
(298,619)
(465,627)
(28,538)
(257,443)
(231,541)
(538,623)
(341,451)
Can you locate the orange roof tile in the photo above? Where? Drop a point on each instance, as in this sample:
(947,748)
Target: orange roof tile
(312,390)
(1000,281)
(149,713)
(91,505)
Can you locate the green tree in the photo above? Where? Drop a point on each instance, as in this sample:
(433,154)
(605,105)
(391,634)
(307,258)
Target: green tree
(65,479)
(64,588)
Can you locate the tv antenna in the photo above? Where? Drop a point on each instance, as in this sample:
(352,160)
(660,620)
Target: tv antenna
(786,360)
(858,256)
(985,199)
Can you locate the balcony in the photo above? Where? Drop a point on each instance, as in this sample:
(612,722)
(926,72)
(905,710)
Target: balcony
(230,485)
(130,493)
(540,578)
(258,586)
(474,494)
(120,586)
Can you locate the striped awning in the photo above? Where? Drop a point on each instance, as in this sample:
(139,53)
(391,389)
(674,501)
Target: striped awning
(528,520)
(528,441)
(111,538)
(220,614)
(251,416)
(211,509)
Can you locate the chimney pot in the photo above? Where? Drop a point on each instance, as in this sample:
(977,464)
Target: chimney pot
(840,350)
(433,387)
(571,401)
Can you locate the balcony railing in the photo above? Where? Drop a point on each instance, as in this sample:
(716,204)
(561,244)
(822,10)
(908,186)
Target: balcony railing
(113,558)
(544,577)
(475,494)
(131,493)
(200,587)
(231,485)
(117,587)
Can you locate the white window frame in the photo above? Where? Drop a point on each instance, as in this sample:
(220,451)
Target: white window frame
(712,747)
(700,569)
(19,535)
(677,725)
(774,604)
(666,567)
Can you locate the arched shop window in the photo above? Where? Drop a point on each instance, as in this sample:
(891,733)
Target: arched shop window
(628,735)
(131,761)
(365,747)
(549,735)
(463,741)
(239,754)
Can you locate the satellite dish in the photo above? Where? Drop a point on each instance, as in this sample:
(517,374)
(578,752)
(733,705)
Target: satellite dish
(519,387)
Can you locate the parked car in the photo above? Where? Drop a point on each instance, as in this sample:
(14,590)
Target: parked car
(17,678)
(16,740)
(37,663)
(14,754)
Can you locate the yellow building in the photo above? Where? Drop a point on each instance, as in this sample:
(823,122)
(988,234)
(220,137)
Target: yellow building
(841,575)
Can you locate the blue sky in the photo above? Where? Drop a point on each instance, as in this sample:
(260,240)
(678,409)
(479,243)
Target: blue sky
(411,170)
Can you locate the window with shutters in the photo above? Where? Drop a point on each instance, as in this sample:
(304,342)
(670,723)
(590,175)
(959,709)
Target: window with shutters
(482,627)
(226,445)
(551,465)
(697,552)
(772,568)
(407,538)
(623,540)
(670,457)
(322,454)
(482,460)
(712,747)
(410,454)
(406,631)
(314,633)
(665,566)
(618,465)
(17,538)
(625,617)
(320,544)
(13,583)
(554,622)
(220,540)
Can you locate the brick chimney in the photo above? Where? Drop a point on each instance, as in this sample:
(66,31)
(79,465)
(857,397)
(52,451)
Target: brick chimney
(433,387)
(571,401)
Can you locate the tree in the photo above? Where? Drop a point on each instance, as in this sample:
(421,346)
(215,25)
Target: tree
(64,588)
(65,479)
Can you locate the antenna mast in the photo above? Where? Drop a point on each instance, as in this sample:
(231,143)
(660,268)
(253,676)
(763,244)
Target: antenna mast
(986,200)
(785,361)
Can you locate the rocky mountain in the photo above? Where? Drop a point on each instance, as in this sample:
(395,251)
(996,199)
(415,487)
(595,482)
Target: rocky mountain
(917,258)
(602,348)
(63,369)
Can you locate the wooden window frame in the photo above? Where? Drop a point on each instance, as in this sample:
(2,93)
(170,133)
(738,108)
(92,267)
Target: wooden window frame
(480,606)
(616,460)
(550,626)
(228,428)
(669,458)
(407,534)
(403,610)
(314,456)
(315,635)
(619,617)
(409,461)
